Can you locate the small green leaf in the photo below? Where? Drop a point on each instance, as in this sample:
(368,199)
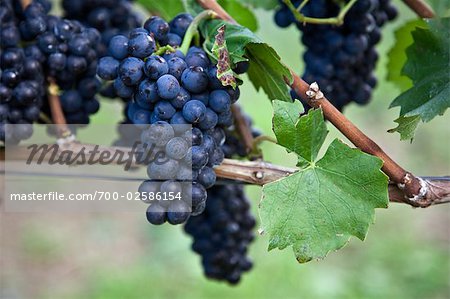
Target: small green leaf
(406,127)
(266,69)
(316,210)
(266,4)
(224,72)
(241,13)
(167,9)
(304,135)
(428,66)
(397,56)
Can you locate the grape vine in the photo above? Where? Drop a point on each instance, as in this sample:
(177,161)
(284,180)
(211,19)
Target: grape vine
(178,81)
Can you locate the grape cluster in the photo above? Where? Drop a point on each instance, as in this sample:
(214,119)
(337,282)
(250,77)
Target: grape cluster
(341,58)
(21,78)
(110,17)
(223,232)
(67,51)
(39,49)
(164,94)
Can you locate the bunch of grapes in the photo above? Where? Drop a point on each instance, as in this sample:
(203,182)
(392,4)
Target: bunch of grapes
(223,232)
(67,52)
(166,93)
(57,51)
(21,81)
(341,58)
(109,17)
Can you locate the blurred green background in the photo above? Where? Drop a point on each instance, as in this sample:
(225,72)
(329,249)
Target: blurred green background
(406,254)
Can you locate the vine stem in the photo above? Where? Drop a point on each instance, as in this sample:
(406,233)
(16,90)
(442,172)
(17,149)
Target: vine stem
(251,172)
(58,117)
(421,8)
(411,185)
(25,3)
(242,128)
(301,18)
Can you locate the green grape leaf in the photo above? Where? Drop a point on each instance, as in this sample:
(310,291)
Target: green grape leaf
(318,208)
(303,136)
(167,9)
(241,13)
(224,72)
(428,66)
(397,54)
(266,69)
(266,4)
(406,127)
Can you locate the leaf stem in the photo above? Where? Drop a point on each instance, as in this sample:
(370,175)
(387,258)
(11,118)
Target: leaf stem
(192,30)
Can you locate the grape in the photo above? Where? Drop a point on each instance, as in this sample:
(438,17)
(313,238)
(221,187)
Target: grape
(194,79)
(158,133)
(156,214)
(197,58)
(219,101)
(197,156)
(141,45)
(180,24)
(241,67)
(176,66)
(164,110)
(130,70)
(122,90)
(168,86)
(107,68)
(71,101)
(163,170)
(118,47)
(181,99)
(194,111)
(147,94)
(176,148)
(209,121)
(207,177)
(171,186)
(341,58)
(178,212)
(155,67)
(158,27)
